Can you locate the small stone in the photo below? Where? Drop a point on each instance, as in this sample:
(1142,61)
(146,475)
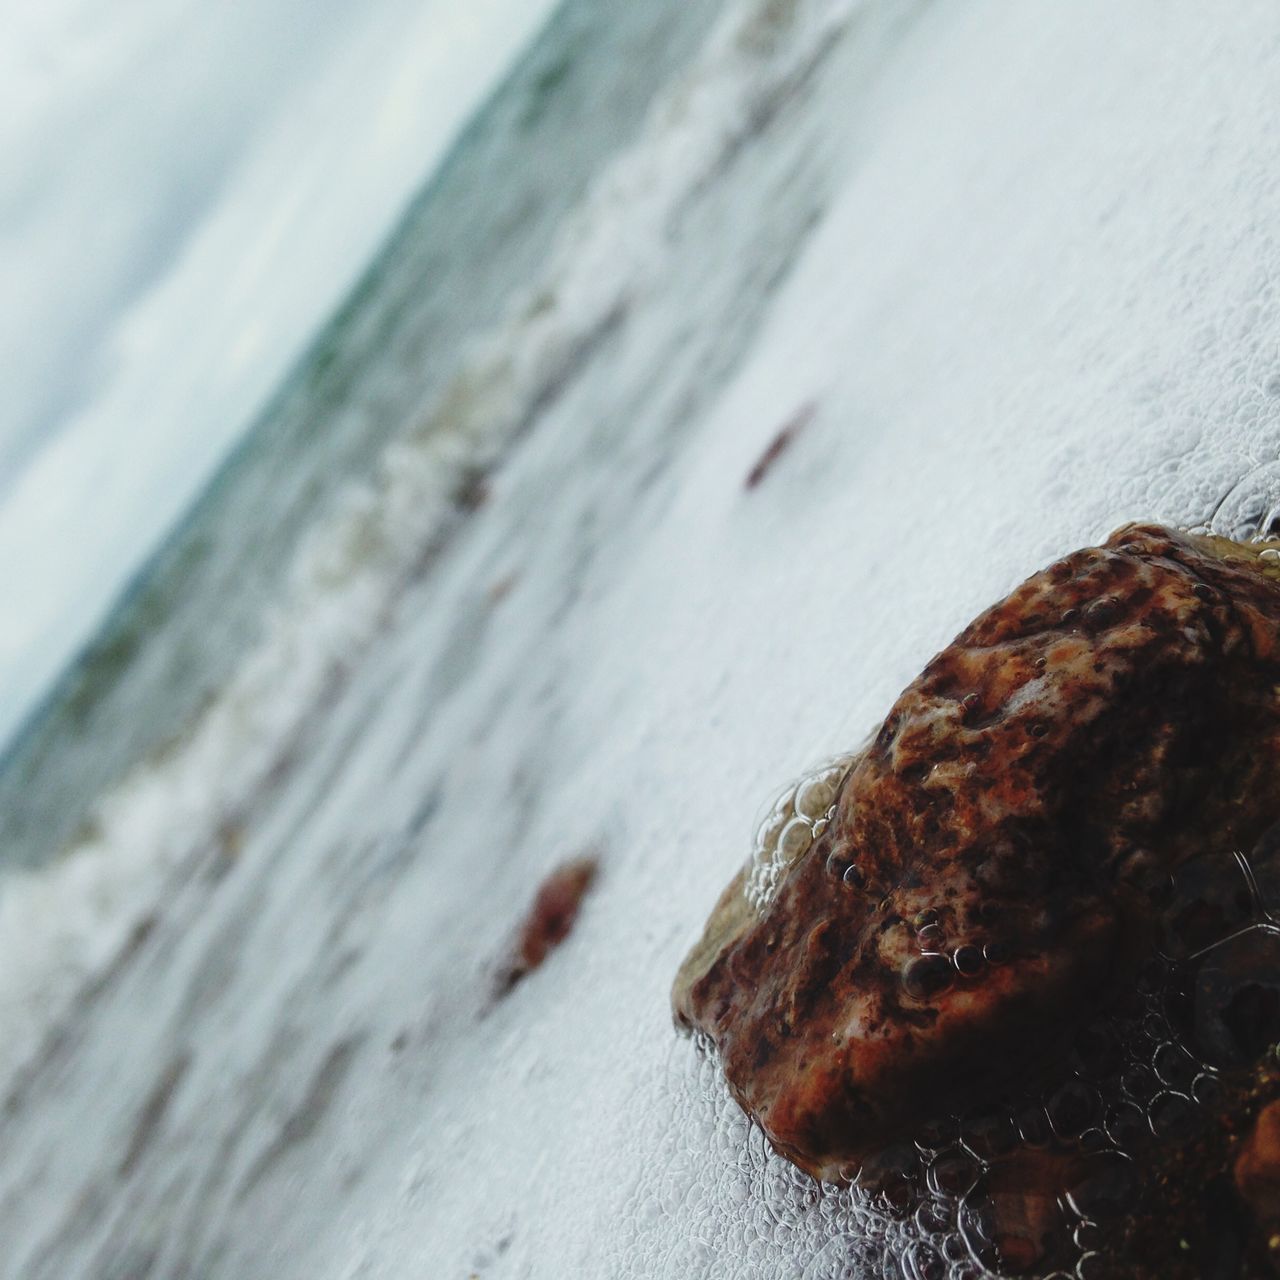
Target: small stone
(550,919)
(1257,1166)
(1012,1221)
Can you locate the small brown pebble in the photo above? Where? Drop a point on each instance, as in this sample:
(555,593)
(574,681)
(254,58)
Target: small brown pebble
(1257,1167)
(550,920)
(1022,1198)
(780,444)
(501,588)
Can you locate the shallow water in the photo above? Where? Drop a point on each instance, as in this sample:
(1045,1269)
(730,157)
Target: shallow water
(1015,261)
(468,244)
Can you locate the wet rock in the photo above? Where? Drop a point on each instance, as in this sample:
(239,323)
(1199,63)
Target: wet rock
(1257,1170)
(1005,851)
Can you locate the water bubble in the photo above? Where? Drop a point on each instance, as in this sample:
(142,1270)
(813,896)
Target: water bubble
(936,1135)
(1088,1236)
(1126,1125)
(927,976)
(795,838)
(839,1260)
(1104,1186)
(968,960)
(891,1177)
(1094,1266)
(1174,1066)
(932,1218)
(770,829)
(990,1134)
(1173,1116)
(924,1263)
(815,795)
(997,952)
(1251,509)
(952,1173)
(1206,1089)
(1154,1026)
(1073,1108)
(978,1228)
(1034,1127)
(1139,1083)
(1262,867)
(1101,612)
(895,1195)
(1094,1139)
(1234,998)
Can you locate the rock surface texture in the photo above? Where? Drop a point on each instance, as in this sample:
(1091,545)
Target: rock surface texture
(988,871)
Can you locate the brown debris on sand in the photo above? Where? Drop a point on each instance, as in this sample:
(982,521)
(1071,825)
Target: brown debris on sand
(780,444)
(550,919)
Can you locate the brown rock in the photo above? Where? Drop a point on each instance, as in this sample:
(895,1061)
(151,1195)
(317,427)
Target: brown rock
(989,871)
(550,919)
(1257,1167)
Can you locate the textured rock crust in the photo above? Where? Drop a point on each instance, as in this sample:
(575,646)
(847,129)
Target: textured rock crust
(988,872)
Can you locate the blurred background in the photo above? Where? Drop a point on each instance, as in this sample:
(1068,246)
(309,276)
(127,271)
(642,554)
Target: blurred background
(438,440)
(189,197)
